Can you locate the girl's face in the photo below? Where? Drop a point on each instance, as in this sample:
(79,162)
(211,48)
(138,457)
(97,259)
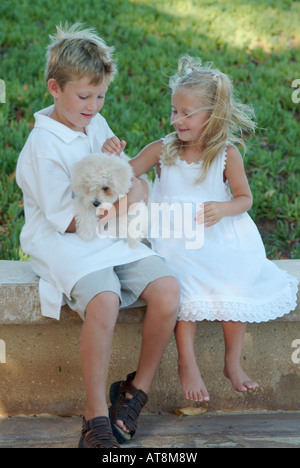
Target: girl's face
(78,103)
(187,117)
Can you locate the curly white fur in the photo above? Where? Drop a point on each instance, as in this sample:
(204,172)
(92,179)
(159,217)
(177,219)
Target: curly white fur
(97,179)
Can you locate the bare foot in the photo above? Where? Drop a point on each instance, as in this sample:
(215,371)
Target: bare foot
(129,396)
(121,423)
(191,383)
(239,379)
(122,426)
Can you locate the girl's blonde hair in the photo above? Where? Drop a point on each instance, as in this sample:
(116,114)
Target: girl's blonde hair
(228,119)
(74,53)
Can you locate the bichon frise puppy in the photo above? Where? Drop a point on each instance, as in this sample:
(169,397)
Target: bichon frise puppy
(101,179)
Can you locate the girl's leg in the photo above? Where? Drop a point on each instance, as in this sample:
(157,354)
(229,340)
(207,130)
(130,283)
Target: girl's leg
(234,333)
(191,381)
(162,297)
(95,346)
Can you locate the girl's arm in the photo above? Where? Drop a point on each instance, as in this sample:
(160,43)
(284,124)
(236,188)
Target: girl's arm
(147,158)
(144,161)
(242,197)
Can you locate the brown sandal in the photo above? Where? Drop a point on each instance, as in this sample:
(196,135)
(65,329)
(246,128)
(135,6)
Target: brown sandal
(97,433)
(125,409)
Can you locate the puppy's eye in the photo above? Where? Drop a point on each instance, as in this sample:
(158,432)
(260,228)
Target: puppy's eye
(105,189)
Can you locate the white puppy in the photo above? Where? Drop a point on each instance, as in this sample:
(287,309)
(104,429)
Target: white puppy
(101,179)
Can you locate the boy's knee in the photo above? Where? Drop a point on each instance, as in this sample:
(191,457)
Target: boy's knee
(170,287)
(165,292)
(103,309)
(172,293)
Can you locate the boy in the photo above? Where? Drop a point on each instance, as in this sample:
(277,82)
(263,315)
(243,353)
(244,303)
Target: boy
(93,277)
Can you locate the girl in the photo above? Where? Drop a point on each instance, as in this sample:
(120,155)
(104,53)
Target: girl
(229,278)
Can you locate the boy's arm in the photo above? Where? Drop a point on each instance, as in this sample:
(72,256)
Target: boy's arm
(72,226)
(145,160)
(137,193)
(46,185)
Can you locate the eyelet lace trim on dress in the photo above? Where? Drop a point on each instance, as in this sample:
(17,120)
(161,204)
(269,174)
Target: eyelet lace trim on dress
(241,312)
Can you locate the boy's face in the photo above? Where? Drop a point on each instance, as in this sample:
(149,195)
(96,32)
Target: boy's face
(78,103)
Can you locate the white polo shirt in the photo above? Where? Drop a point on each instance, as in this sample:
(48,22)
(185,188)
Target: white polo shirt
(43,173)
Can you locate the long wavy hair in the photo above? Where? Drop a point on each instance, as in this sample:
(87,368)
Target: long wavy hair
(229,120)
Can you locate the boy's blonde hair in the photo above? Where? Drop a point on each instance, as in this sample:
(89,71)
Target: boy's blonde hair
(74,53)
(228,118)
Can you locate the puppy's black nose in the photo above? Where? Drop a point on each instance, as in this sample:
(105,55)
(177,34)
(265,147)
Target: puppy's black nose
(96,203)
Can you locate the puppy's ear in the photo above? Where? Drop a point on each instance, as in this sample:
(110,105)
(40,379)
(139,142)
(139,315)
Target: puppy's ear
(78,181)
(75,182)
(124,175)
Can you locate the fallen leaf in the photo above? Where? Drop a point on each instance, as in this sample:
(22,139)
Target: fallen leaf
(191,411)
(269,193)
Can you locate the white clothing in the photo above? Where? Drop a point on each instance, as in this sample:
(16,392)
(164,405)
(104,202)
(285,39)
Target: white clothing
(229,277)
(43,174)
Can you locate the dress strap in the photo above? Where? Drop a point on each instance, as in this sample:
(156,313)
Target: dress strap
(224,156)
(159,165)
(164,142)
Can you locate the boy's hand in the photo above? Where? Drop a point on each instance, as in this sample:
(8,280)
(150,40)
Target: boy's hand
(137,193)
(113,146)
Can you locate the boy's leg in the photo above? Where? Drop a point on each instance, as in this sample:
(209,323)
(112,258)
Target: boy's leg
(234,333)
(95,346)
(162,297)
(192,384)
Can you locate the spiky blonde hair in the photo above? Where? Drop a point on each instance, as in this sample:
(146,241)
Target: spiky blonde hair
(74,53)
(228,119)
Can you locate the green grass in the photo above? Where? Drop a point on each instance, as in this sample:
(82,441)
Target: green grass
(256,42)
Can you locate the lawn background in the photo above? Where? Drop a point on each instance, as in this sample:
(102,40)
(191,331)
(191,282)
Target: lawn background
(256,42)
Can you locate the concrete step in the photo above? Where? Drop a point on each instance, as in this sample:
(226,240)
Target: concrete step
(19,295)
(264,429)
(40,368)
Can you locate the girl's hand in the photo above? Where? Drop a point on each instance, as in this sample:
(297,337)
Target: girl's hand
(113,146)
(210,213)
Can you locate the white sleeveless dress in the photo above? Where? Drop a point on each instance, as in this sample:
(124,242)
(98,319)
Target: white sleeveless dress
(229,277)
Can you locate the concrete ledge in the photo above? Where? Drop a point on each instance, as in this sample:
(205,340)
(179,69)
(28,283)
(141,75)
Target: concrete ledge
(19,296)
(40,368)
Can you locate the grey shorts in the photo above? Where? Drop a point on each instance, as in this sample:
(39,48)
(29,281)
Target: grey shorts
(127,281)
